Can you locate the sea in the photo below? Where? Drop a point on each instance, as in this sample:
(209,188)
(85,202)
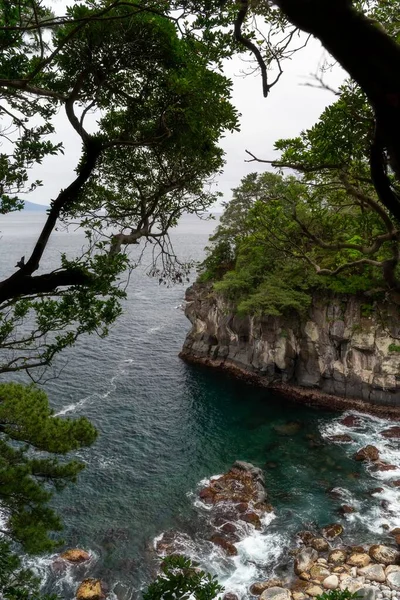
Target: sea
(165,427)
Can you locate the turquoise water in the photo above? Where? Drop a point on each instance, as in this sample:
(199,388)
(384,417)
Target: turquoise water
(165,426)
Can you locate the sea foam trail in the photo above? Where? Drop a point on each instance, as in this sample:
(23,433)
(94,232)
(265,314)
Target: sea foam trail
(367,430)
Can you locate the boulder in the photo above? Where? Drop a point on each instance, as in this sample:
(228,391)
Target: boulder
(90,589)
(228,528)
(331,582)
(225,544)
(332,531)
(358,559)
(392,569)
(393,580)
(230,596)
(75,555)
(396,483)
(377,490)
(381,465)
(392,432)
(242,484)
(384,554)
(299,596)
(319,572)
(306,537)
(367,593)
(253,518)
(319,544)
(352,583)
(351,421)
(275,593)
(305,560)
(373,573)
(305,576)
(257,588)
(369,453)
(345,509)
(314,590)
(337,557)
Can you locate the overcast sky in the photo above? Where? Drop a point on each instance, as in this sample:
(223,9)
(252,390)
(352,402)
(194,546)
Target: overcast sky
(290,107)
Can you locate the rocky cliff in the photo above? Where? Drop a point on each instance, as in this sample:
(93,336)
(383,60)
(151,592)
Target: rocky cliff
(346,347)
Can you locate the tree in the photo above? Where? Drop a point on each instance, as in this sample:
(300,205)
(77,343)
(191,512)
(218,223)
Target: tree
(161,111)
(181,579)
(31,441)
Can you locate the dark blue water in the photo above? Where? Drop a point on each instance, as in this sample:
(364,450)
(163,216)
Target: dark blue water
(165,425)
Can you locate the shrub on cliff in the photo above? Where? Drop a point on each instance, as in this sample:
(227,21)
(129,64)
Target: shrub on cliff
(181,579)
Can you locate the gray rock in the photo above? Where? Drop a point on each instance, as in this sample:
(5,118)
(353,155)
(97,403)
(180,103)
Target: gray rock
(393,580)
(384,554)
(373,573)
(367,593)
(305,560)
(275,593)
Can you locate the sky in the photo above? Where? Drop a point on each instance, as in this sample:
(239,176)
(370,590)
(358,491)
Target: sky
(291,106)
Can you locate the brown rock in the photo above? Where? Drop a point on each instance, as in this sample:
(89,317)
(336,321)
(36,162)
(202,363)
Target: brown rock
(342,437)
(314,590)
(304,560)
(229,548)
(299,596)
(90,589)
(357,549)
(337,557)
(339,570)
(332,531)
(207,495)
(358,560)
(396,483)
(392,432)
(350,421)
(319,544)
(345,509)
(395,531)
(369,453)
(253,518)
(242,507)
(263,507)
(377,490)
(397,539)
(305,576)
(230,596)
(380,465)
(243,483)
(306,537)
(228,528)
(75,556)
(257,588)
(384,554)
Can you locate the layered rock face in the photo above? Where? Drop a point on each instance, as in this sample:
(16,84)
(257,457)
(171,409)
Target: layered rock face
(343,346)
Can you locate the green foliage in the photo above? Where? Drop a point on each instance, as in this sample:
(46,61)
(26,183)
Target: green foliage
(338,595)
(30,439)
(394,348)
(17,583)
(181,579)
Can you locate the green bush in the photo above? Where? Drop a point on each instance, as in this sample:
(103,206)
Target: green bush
(338,595)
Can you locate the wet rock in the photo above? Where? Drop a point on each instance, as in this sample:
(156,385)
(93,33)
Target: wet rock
(343,438)
(332,531)
(242,507)
(225,544)
(257,588)
(337,557)
(319,572)
(243,483)
(357,549)
(305,576)
(395,531)
(305,559)
(306,537)
(369,453)
(380,465)
(393,580)
(385,526)
(229,528)
(358,560)
(377,490)
(171,542)
(90,589)
(384,554)
(396,483)
(331,582)
(275,593)
(373,573)
(319,544)
(230,596)
(59,566)
(345,509)
(75,556)
(392,432)
(289,428)
(314,590)
(253,518)
(351,421)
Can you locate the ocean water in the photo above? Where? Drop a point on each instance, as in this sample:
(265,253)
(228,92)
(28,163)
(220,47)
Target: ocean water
(165,427)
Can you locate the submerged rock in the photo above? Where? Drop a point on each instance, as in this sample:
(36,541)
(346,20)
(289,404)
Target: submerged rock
(343,438)
(289,428)
(369,453)
(351,421)
(225,544)
(75,555)
(242,484)
(392,432)
(345,509)
(332,531)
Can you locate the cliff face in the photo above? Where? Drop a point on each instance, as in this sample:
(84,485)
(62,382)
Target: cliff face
(343,347)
